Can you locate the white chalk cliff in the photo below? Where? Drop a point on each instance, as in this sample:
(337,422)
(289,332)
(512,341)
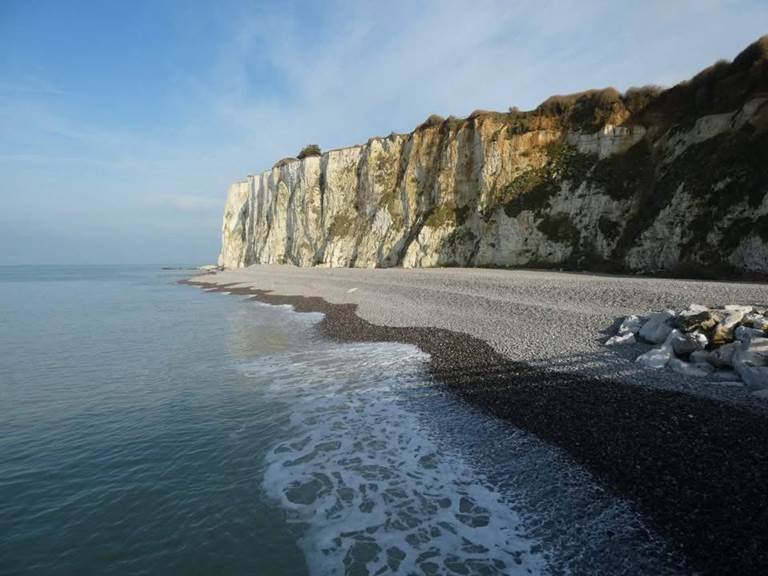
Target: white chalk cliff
(645,181)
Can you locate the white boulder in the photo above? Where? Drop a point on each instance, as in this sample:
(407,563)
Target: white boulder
(725,376)
(739,308)
(745,334)
(684,344)
(688,369)
(621,339)
(656,358)
(754,377)
(657,327)
(722,357)
(754,352)
(725,328)
(630,325)
(758,321)
(700,357)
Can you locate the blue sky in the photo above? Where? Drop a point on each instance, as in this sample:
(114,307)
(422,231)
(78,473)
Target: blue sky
(122,123)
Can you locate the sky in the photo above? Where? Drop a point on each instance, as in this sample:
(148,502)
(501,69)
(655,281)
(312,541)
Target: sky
(123,123)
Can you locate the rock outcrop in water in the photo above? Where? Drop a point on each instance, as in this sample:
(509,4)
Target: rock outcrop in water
(647,181)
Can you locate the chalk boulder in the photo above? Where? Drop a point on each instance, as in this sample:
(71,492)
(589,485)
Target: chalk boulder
(657,327)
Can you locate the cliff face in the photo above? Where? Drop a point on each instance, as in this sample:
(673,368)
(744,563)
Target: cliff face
(647,181)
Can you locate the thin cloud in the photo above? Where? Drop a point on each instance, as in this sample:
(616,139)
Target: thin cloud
(188,203)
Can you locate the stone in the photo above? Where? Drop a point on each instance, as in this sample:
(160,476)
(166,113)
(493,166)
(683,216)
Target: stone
(684,344)
(701,320)
(724,330)
(621,339)
(739,308)
(754,377)
(723,356)
(657,328)
(745,334)
(725,376)
(761,394)
(700,357)
(689,369)
(757,321)
(700,338)
(754,352)
(656,358)
(630,325)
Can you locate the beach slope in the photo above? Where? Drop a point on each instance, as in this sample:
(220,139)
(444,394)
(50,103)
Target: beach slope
(528,347)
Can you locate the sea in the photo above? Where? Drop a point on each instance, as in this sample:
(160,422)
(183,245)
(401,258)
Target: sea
(148,427)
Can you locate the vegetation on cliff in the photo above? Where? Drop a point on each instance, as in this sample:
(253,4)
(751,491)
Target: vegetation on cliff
(648,180)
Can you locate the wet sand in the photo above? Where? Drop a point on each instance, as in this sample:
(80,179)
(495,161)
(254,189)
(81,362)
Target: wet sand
(691,455)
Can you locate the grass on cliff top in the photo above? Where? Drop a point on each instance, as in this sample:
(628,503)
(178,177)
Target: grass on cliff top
(584,111)
(309,150)
(722,87)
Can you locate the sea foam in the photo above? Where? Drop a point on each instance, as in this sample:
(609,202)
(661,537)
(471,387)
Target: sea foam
(370,487)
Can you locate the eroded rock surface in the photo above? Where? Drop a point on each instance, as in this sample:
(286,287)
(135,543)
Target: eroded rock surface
(645,181)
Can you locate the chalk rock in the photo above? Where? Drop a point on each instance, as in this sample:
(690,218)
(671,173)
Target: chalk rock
(684,344)
(754,352)
(620,339)
(688,369)
(723,357)
(724,330)
(745,334)
(757,321)
(657,327)
(658,358)
(700,357)
(630,325)
(754,377)
(739,308)
(725,376)
(689,320)
(701,339)
(655,358)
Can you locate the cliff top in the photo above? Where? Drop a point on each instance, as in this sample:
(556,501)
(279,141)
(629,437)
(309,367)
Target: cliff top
(722,87)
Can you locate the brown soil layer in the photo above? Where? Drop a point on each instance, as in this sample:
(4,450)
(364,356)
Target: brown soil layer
(697,469)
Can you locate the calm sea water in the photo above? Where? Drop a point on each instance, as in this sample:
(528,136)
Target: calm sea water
(152,428)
